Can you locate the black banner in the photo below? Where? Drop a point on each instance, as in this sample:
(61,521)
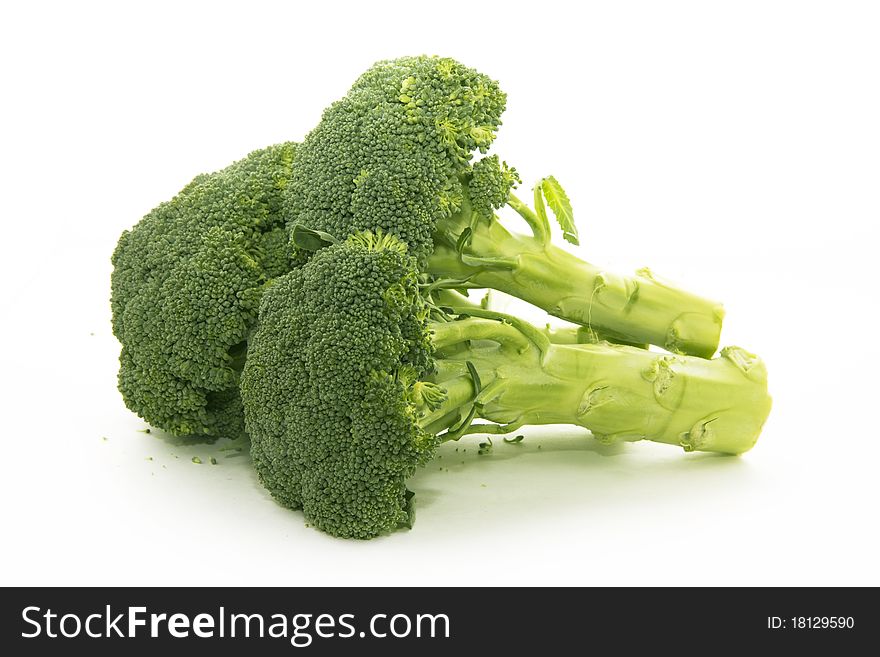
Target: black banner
(433,621)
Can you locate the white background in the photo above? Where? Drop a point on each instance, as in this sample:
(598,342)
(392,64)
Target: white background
(734,147)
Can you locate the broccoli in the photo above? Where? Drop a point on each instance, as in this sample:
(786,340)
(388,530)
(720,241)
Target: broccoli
(354,376)
(395,155)
(186,287)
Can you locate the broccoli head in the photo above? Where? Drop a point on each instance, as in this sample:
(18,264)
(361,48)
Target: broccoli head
(186,287)
(391,154)
(354,375)
(395,155)
(328,383)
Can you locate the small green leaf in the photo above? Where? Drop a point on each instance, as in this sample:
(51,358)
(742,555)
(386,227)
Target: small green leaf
(513,441)
(310,240)
(464,239)
(540,208)
(409,509)
(457,432)
(478,386)
(558,201)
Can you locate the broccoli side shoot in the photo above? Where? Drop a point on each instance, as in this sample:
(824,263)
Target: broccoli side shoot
(186,286)
(395,155)
(354,375)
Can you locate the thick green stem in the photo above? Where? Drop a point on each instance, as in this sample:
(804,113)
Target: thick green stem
(568,334)
(623,393)
(634,309)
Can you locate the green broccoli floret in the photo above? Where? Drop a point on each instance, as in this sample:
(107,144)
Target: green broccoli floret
(395,154)
(186,287)
(354,376)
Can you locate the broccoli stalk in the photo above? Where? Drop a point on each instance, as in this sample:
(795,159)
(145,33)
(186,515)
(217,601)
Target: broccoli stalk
(630,309)
(354,376)
(618,392)
(396,155)
(459,303)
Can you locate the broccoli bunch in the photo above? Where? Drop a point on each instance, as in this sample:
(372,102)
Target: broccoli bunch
(354,376)
(186,287)
(395,155)
(353,248)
